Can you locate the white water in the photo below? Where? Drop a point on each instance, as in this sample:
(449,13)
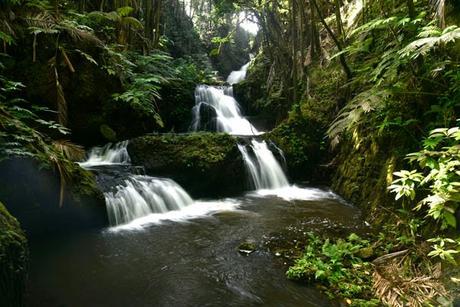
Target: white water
(262,166)
(292,192)
(227,110)
(239,75)
(197,209)
(143,195)
(228,115)
(109,154)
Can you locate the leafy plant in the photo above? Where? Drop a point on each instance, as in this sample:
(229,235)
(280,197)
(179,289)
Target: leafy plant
(435,185)
(337,265)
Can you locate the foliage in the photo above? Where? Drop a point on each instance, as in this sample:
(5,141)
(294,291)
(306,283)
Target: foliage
(440,172)
(433,188)
(13,259)
(411,54)
(338,266)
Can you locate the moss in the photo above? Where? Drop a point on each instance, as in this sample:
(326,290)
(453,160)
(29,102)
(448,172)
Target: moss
(84,189)
(301,143)
(206,164)
(108,133)
(14,257)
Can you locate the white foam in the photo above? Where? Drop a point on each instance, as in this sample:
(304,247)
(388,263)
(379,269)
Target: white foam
(110,154)
(294,192)
(196,210)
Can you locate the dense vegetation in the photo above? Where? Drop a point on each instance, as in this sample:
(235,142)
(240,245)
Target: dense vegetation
(367,90)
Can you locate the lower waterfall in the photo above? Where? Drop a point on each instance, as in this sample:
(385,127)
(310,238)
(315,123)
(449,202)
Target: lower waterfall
(133,200)
(143,195)
(264,170)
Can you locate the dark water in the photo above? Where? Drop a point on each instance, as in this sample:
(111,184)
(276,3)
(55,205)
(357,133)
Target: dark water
(193,263)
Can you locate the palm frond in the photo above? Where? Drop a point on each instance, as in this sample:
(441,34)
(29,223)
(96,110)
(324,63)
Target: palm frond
(400,282)
(69,150)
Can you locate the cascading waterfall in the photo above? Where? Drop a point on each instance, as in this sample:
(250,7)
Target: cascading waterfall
(140,196)
(228,115)
(135,200)
(239,75)
(264,169)
(107,155)
(220,100)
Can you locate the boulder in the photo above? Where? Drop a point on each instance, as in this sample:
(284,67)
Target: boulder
(205,164)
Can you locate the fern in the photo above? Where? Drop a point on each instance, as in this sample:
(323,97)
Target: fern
(430,38)
(352,113)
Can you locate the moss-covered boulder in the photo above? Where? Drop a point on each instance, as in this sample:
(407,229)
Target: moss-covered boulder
(31,192)
(13,260)
(302,146)
(205,164)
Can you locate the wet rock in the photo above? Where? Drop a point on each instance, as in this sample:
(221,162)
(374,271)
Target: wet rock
(204,164)
(247,248)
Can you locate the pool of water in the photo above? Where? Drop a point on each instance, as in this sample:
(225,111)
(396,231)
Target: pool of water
(193,261)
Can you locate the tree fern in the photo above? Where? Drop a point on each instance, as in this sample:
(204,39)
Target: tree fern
(352,114)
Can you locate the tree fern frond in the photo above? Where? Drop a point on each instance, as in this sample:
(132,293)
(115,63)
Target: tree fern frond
(426,44)
(352,114)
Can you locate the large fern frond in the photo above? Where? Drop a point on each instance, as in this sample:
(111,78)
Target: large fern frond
(352,114)
(429,38)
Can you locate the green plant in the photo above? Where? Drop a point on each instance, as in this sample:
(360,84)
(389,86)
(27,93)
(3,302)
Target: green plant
(434,188)
(336,264)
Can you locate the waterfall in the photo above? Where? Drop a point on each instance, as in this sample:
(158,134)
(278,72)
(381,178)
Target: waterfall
(133,201)
(238,76)
(140,196)
(264,171)
(228,116)
(263,168)
(107,155)
(220,100)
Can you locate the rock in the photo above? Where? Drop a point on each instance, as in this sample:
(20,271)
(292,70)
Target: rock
(108,133)
(247,248)
(31,191)
(14,258)
(204,164)
(365,252)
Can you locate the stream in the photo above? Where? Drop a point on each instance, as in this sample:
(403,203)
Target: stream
(164,248)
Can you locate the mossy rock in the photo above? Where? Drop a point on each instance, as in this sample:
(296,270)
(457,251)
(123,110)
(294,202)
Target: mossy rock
(14,257)
(108,133)
(205,164)
(302,144)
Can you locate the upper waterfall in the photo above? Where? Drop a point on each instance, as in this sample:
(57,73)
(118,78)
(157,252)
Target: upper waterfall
(107,155)
(238,75)
(224,109)
(228,116)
